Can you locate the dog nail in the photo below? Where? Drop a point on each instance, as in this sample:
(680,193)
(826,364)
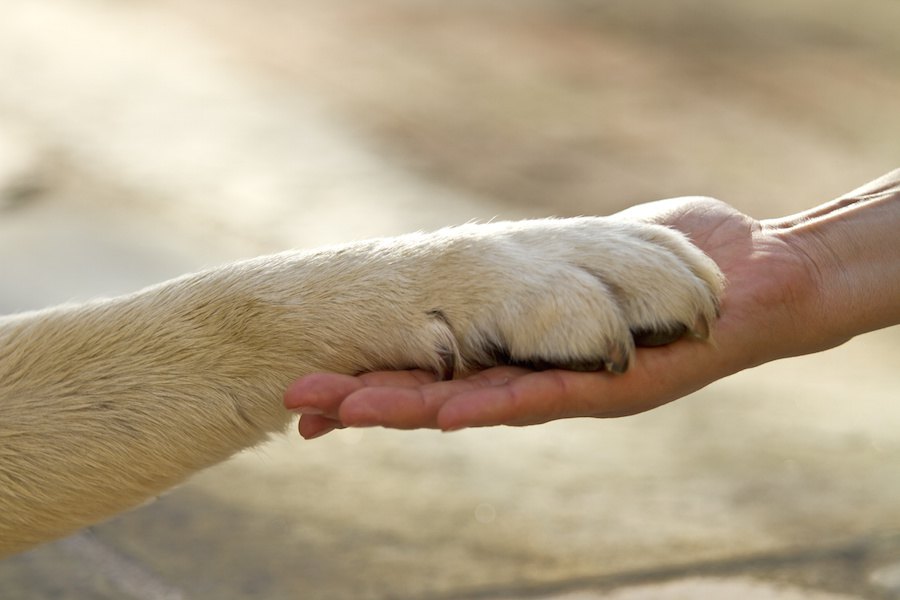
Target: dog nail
(700,330)
(617,361)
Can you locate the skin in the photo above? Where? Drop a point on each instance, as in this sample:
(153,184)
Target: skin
(796,285)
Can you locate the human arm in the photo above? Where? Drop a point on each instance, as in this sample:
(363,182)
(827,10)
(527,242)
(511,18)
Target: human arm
(796,285)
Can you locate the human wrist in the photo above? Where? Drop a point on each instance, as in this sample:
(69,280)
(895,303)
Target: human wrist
(852,255)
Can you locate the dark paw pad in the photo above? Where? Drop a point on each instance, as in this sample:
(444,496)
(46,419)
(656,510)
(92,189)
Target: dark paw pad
(617,362)
(658,337)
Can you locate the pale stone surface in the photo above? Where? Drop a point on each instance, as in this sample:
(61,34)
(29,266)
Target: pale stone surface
(166,114)
(699,588)
(887,577)
(20,166)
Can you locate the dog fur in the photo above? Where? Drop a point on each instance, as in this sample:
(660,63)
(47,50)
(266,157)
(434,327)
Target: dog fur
(108,403)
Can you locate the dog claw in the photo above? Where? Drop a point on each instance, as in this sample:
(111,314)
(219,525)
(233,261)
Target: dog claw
(700,330)
(618,360)
(586,366)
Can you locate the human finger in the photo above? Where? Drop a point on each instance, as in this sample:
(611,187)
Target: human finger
(320,394)
(660,375)
(413,406)
(315,426)
(527,400)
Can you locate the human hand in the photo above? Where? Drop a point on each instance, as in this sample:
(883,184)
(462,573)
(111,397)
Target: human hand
(765,315)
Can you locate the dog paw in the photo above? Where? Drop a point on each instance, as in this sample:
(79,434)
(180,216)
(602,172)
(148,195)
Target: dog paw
(567,293)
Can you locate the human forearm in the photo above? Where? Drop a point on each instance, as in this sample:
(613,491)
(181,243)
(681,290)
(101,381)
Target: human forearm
(853,248)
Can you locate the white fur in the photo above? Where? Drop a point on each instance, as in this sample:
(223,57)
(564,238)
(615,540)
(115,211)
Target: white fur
(105,404)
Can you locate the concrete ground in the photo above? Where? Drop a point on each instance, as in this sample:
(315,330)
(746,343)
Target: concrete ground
(141,140)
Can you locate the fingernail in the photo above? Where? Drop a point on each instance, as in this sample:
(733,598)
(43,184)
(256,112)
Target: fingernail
(451,427)
(308,410)
(319,434)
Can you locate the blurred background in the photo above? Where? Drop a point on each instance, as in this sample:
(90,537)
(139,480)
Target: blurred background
(140,140)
